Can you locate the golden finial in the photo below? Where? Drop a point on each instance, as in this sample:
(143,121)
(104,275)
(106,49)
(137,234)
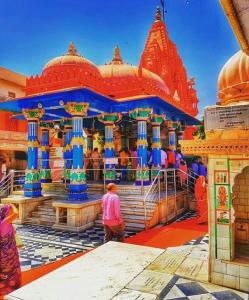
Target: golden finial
(158,14)
(117,59)
(72,50)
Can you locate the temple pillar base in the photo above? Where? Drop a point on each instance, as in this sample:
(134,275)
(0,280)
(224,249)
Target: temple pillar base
(142,183)
(32,185)
(77,192)
(142,177)
(155,171)
(32,190)
(45,175)
(110,176)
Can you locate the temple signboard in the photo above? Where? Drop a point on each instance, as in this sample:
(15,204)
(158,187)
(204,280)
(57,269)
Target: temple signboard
(227,117)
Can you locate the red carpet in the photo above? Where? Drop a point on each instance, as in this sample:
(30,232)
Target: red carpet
(172,235)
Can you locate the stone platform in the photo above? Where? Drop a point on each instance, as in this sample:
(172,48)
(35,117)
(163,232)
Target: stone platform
(130,272)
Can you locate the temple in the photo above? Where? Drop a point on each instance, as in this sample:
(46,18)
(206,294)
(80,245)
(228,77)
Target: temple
(142,103)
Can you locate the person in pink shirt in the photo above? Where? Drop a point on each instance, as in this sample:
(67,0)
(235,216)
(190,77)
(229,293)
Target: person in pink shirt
(112,218)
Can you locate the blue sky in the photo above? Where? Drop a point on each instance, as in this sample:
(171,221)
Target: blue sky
(34,31)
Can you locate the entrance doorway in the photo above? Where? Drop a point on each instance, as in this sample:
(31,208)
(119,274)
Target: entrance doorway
(240,202)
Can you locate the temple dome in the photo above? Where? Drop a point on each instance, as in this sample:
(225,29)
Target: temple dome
(67,71)
(122,80)
(71,60)
(233,82)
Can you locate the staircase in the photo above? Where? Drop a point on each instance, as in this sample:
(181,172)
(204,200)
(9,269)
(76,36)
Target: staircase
(45,213)
(132,207)
(139,207)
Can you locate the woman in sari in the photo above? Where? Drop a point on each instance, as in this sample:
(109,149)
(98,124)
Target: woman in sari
(201,198)
(10,272)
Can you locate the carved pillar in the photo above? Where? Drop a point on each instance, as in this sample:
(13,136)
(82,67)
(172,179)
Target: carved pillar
(172,134)
(180,131)
(45,172)
(67,148)
(109,120)
(142,115)
(32,186)
(156,121)
(77,186)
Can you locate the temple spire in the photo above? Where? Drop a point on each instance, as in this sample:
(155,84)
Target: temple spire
(72,50)
(158,14)
(117,59)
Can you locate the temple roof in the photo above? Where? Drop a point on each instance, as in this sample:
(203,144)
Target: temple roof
(160,73)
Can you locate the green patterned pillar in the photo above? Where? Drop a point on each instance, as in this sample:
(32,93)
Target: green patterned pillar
(32,186)
(156,121)
(141,115)
(77,187)
(45,171)
(172,134)
(109,119)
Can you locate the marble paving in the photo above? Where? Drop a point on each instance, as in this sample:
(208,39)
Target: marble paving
(100,274)
(129,272)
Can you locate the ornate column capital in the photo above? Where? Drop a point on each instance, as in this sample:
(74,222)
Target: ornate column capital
(140,114)
(77,108)
(109,118)
(45,125)
(157,120)
(33,114)
(66,124)
(171,125)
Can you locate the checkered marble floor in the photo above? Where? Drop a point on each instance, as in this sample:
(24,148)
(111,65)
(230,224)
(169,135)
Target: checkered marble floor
(182,289)
(204,240)
(43,245)
(188,215)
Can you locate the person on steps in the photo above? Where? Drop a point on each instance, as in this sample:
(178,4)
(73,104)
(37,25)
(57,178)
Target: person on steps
(112,219)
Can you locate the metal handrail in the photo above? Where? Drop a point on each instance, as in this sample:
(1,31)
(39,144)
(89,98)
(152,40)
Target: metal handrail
(154,192)
(153,185)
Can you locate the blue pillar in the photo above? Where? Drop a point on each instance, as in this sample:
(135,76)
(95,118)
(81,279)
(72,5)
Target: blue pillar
(67,150)
(32,186)
(156,121)
(172,134)
(109,120)
(142,115)
(77,187)
(45,167)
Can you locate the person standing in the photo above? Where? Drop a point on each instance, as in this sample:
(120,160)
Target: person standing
(171,158)
(124,156)
(112,218)
(10,272)
(96,157)
(195,168)
(202,169)
(163,159)
(178,158)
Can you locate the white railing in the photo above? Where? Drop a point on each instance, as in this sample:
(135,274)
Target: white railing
(13,181)
(167,182)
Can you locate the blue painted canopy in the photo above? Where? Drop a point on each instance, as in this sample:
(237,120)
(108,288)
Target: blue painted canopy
(53,105)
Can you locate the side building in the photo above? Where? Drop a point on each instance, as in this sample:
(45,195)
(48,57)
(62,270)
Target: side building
(13,133)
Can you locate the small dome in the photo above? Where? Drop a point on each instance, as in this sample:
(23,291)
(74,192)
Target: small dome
(69,61)
(124,80)
(233,82)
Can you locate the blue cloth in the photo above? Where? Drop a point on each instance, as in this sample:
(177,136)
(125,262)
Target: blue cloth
(202,170)
(195,167)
